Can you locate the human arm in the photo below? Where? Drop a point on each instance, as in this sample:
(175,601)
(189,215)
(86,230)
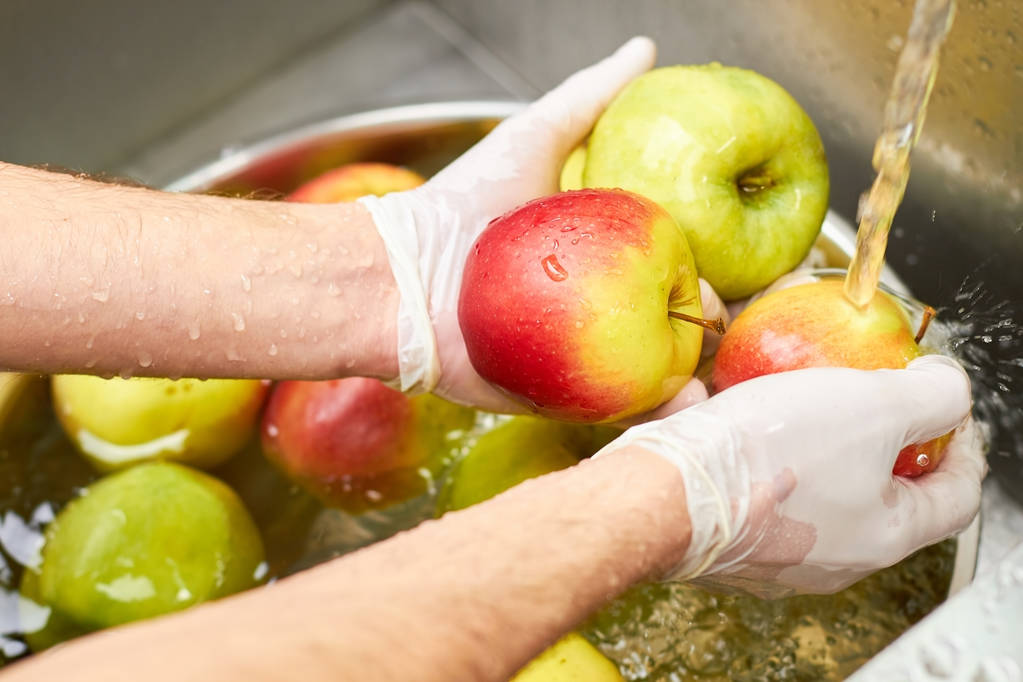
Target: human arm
(472,596)
(111,279)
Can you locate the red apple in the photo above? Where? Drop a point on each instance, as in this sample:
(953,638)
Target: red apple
(814,325)
(355,443)
(567,304)
(354,180)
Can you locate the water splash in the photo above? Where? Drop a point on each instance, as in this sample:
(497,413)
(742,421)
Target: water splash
(985,333)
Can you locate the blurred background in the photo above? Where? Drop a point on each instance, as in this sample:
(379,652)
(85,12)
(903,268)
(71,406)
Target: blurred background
(152,90)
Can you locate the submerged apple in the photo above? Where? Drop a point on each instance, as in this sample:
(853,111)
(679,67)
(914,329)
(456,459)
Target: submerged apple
(354,180)
(569,304)
(120,422)
(355,443)
(519,449)
(815,325)
(570,659)
(150,540)
(730,155)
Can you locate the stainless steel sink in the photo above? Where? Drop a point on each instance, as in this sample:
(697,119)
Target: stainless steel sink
(121,88)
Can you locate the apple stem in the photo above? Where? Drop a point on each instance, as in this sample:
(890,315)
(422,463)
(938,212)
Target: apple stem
(925,322)
(715,325)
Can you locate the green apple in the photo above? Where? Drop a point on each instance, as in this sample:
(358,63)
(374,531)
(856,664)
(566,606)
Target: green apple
(119,422)
(519,449)
(570,659)
(152,539)
(572,172)
(731,156)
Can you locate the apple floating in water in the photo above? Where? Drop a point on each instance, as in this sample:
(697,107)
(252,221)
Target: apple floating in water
(521,448)
(815,325)
(729,154)
(146,541)
(354,180)
(577,304)
(355,443)
(117,422)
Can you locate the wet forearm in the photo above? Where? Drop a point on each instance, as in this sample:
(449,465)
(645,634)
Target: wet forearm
(110,279)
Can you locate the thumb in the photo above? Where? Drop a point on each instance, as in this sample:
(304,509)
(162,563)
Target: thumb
(579,100)
(935,391)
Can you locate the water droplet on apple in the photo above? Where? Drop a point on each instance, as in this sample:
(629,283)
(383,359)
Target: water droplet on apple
(272,430)
(193,331)
(554,269)
(246,283)
(568,228)
(145,359)
(272,350)
(239,322)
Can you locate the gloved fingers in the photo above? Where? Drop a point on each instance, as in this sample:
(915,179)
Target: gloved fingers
(713,308)
(947,499)
(932,394)
(575,105)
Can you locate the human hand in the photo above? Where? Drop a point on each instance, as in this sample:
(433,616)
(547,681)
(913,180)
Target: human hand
(428,231)
(789,482)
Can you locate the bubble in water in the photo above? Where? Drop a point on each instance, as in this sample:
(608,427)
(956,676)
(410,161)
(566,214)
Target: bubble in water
(145,359)
(922,460)
(102,296)
(272,430)
(140,316)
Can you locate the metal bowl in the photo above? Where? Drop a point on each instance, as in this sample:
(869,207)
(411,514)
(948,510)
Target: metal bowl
(426,137)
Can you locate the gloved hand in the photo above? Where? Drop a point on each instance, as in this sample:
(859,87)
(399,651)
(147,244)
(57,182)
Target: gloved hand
(428,231)
(788,477)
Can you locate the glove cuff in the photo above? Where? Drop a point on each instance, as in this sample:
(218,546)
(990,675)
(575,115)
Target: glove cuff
(705,450)
(418,360)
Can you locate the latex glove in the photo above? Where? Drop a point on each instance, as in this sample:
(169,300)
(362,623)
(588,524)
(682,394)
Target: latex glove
(428,231)
(789,481)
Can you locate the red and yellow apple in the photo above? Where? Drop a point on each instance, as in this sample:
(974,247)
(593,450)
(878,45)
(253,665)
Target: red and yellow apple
(354,180)
(567,304)
(355,443)
(815,325)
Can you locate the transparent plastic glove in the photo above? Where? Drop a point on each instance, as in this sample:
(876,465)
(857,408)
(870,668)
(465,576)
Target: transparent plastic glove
(789,479)
(428,231)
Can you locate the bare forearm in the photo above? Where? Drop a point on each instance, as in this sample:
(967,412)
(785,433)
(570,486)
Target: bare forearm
(118,280)
(470,597)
